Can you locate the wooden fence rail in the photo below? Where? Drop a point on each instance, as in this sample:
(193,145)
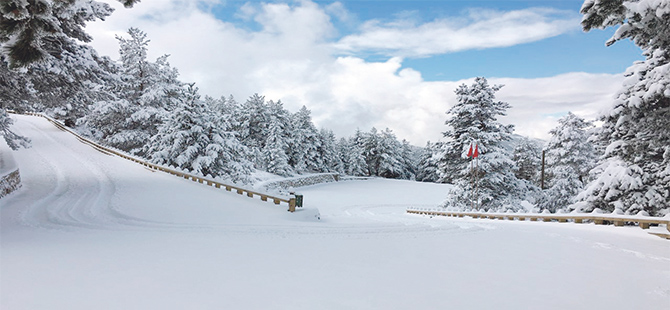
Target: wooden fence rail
(599,219)
(264,197)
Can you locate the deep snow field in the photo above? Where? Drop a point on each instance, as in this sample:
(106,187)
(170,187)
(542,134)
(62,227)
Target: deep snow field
(92,231)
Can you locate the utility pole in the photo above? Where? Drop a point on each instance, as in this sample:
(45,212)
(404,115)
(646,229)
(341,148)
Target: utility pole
(542,174)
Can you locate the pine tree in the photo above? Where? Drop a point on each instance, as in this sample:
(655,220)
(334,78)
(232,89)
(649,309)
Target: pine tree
(527,158)
(383,154)
(276,146)
(146,91)
(409,156)
(389,151)
(427,166)
(569,157)
(474,122)
(15,96)
(65,88)
(634,173)
(352,158)
(274,152)
(254,121)
(328,158)
(36,30)
(304,143)
(371,151)
(189,139)
(43,32)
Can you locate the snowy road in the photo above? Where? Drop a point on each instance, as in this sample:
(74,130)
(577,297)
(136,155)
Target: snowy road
(92,231)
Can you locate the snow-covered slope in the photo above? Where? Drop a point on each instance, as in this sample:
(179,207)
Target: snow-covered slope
(92,231)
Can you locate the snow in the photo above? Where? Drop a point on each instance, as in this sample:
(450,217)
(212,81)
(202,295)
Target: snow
(7,162)
(93,231)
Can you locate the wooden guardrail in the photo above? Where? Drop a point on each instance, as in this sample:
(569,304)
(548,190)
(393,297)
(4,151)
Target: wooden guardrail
(599,219)
(239,190)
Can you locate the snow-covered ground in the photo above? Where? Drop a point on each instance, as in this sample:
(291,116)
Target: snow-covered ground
(92,231)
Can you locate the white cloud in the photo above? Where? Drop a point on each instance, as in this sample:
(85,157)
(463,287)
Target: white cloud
(338,10)
(290,57)
(537,104)
(480,29)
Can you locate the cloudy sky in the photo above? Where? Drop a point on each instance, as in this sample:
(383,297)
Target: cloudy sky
(395,64)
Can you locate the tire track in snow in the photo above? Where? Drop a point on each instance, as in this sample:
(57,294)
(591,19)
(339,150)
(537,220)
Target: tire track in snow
(71,198)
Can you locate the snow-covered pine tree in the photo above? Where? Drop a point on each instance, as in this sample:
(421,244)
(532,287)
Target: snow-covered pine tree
(304,142)
(371,151)
(227,112)
(15,96)
(15,88)
(276,146)
(66,87)
(427,166)
(383,154)
(190,139)
(277,115)
(36,30)
(351,155)
(389,163)
(41,39)
(634,173)
(474,121)
(274,151)
(569,157)
(146,91)
(329,161)
(528,166)
(340,152)
(409,156)
(254,121)
(527,157)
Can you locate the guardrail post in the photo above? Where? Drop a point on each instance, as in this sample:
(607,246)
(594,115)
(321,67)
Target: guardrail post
(291,205)
(277,201)
(250,194)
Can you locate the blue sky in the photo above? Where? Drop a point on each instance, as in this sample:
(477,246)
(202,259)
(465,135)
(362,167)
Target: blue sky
(395,64)
(574,51)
